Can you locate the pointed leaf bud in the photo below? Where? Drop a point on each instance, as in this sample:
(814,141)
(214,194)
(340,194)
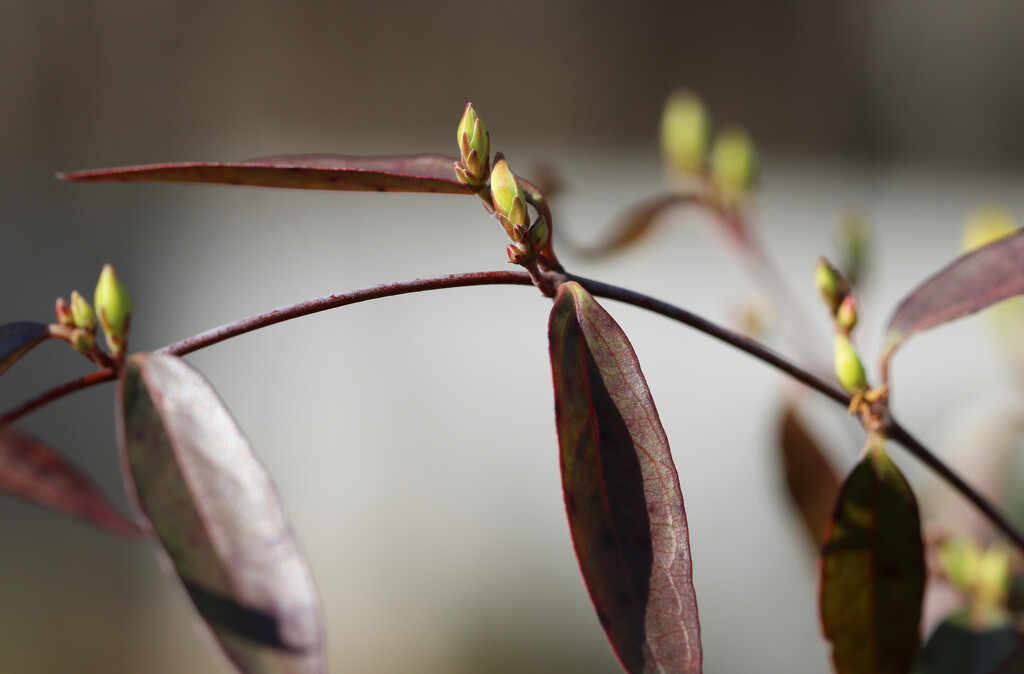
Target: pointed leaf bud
(539,235)
(83,341)
(114,308)
(81,312)
(63,311)
(849,369)
(515,253)
(507,196)
(475,148)
(733,164)
(685,128)
(831,284)
(854,238)
(846,315)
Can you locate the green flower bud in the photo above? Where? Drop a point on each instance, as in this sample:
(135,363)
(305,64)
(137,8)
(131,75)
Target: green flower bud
(539,235)
(831,284)
(114,308)
(507,196)
(733,164)
(849,370)
(475,148)
(685,128)
(63,311)
(846,315)
(83,341)
(81,312)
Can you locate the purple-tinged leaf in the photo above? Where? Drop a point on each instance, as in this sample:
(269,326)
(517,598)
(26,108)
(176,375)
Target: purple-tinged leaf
(621,491)
(16,339)
(811,482)
(400,173)
(218,516)
(636,224)
(970,283)
(872,570)
(36,473)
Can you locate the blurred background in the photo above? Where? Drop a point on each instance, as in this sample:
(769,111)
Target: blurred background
(413,438)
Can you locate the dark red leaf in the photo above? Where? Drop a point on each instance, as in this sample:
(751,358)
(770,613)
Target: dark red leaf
(872,570)
(970,283)
(16,339)
(400,173)
(636,224)
(621,490)
(33,471)
(218,516)
(811,482)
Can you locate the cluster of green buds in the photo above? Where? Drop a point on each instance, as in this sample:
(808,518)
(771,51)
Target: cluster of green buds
(983,575)
(77,321)
(842,303)
(509,204)
(686,146)
(475,147)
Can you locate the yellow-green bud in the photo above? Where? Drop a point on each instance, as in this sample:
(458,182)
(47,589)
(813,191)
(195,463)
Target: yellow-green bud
(83,341)
(994,574)
(685,128)
(539,234)
(507,195)
(987,225)
(846,315)
(854,236)
(733,164)
(81,312)
(63,312)
(475,148)
(114,308)
(831,284)
(849,370)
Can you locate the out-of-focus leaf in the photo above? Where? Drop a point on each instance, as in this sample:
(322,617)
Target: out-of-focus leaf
(811,482)
(218,515)
(621,490)
(31,470)
(970,283)
(635,224)
(872,570)
(400,173)
(16,339)
(955,648)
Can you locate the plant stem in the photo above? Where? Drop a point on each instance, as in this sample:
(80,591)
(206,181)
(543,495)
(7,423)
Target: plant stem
(893,430)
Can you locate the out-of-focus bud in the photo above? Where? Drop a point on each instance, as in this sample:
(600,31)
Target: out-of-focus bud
(733,164)
(987,225)
(849,369)
(854,233)
(994,575)
(831,284)
(114,308)
(507,196)
(63,311)
(475,148)
(846,314)
(685,128)
(83,341)
(81,312)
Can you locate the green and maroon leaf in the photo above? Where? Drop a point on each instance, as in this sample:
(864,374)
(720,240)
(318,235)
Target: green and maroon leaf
(872,570)
(16,339)
(955,647)
(970,283)
(218,516)
(811,482)
(31,470)
(621,491)
(399,173)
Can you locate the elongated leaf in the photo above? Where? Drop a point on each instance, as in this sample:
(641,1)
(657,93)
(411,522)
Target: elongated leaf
(970,283)
(956,648)
(214,508)
(636,224)
(16,339)
(811,482)
(872,570)
(621,490)
(400,173)
(33,471)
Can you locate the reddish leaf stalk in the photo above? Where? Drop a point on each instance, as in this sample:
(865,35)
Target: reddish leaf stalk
(893,430)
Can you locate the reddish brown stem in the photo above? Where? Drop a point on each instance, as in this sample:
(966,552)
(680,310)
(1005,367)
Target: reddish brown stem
(56,393)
